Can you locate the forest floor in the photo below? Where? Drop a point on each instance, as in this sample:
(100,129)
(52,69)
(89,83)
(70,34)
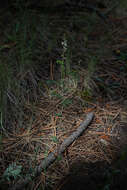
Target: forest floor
(55,69)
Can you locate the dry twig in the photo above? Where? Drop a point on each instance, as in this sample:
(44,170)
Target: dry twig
(53,155)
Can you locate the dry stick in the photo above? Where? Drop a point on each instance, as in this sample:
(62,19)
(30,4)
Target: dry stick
(53,155)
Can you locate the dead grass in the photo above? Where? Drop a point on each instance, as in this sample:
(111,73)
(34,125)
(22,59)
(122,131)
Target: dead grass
(51,121)
(31,145)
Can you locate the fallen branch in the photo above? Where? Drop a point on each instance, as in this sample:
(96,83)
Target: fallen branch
(53,155)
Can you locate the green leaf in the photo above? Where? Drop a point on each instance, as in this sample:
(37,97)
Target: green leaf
(59,158)
(54,93)
(54,139)
(66,102)
(58,114)
(12,171)
(51,82)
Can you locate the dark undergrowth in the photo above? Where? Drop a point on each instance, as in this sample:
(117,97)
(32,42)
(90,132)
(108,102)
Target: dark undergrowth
(56,65)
